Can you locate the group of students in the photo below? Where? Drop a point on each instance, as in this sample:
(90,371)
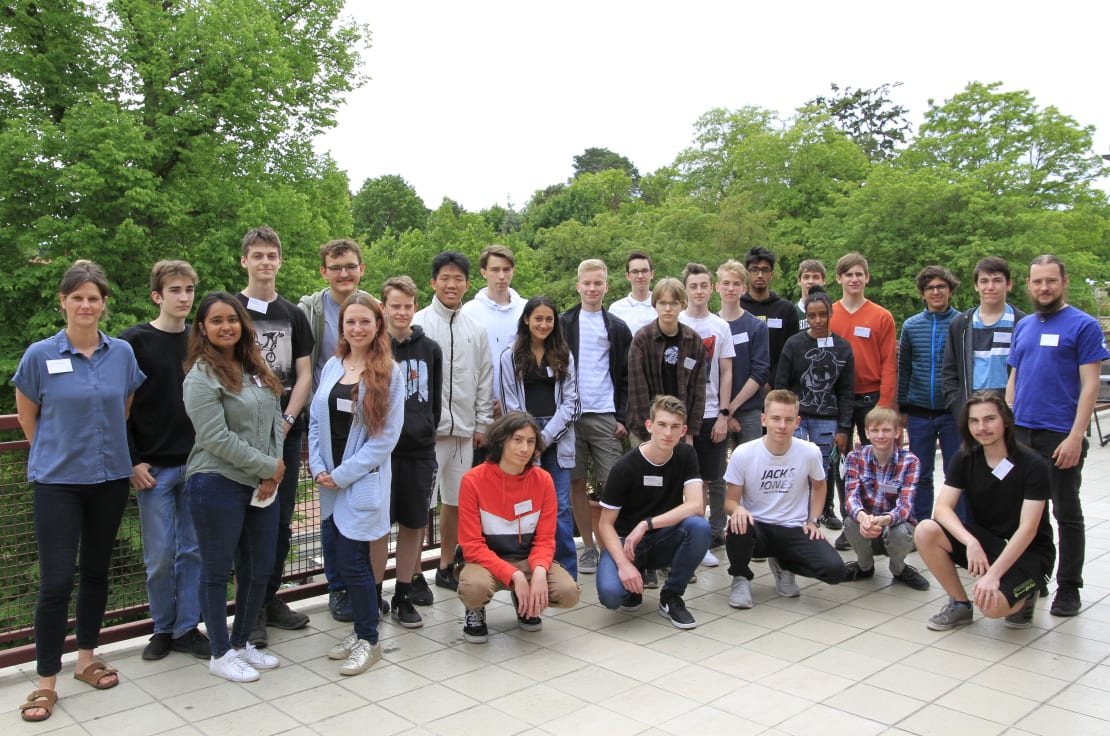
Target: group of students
(500,408)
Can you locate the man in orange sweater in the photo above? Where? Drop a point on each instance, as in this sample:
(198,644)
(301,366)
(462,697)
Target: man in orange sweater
(870,330)
(507,510)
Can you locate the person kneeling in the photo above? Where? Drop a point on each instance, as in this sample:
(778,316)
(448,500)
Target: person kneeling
(881,481)
(507,518)
(1008,545)
(775,491)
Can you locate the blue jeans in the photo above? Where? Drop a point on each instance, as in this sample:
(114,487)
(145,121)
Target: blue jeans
(565,552)
(170,552)
(682,547)
(287,501)
(353,560)
(72,520)
(924,433)
(231,532)
(821,431)
(328,536)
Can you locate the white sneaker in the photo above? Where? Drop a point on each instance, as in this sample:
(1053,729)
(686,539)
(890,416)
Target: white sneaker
(784,580)
(232,667)
(342,650)
(741,594)
(710,559)
(257,658)
(363,656)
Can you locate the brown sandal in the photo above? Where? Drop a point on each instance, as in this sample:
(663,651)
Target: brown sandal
(44,699)
(94,673)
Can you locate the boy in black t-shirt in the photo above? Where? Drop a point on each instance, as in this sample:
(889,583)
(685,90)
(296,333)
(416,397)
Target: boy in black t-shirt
(1009,544)
(652,516)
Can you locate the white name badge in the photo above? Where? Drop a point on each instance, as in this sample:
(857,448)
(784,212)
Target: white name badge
(1002,469)
(257,305)
(523,507)
(740,338)
(653,480)
(1003,337)
(824,342)
(774,323)
(60,365)
(888,489)
(864,332)
(603,343)
(1050,341)
(689,364)
(550,373)
(257,380)
(345,405)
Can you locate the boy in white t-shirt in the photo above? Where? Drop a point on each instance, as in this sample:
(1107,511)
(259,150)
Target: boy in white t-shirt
(775,492)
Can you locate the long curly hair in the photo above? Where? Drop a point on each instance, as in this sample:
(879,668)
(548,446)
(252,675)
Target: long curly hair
(247,357)
(555,348)
(373,384)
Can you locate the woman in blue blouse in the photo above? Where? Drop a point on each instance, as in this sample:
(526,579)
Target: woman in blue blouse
(73,392)
(355,421)
(537,376)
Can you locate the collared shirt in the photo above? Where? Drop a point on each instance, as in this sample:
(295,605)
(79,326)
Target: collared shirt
(635,314)
(81,432)
(881,489)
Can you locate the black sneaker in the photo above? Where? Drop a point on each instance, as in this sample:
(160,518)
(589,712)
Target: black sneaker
(1023,619)
(526,623)
(279,614)
(445,578)
(855,572)
(842,544)
(830,521)
(259,639)
(718,540)
(339,603)
(671,606)
(651,579)
(631,602)
(911,577)
(419,592)
(1066,602)
(159,646)
(194,643)
(404,613)
(383,606)
(474,626)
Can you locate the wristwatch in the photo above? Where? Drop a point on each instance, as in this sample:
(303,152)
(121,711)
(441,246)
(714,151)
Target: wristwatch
(724,412)
(289,418)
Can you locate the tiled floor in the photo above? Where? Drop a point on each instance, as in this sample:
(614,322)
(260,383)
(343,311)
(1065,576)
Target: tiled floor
(849,659)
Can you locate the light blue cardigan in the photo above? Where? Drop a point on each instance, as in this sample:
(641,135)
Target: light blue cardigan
(361,503)
(568,407)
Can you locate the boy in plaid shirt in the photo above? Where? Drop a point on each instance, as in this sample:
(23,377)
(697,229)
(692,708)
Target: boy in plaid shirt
(880,481)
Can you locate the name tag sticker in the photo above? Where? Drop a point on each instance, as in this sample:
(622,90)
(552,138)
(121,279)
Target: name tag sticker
(655,481)
(550,373)
(257,305)
(603,342)
(60,365)
(740,338)
(864,332)
(774,323)
(824,342)
(689,364)
(1050,341)
(523,507)
(345,405)
(1003,468)
(1003,338)
(257,380)
(888,489)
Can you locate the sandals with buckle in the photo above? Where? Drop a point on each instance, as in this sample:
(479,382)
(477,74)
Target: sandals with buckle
(94,673)
(44,699)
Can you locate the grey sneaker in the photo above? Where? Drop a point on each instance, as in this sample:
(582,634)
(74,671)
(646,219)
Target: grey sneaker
(951,616)
(741,593)
(1023,619)
(651,579)
(363,656)
(587,561)
(784,580)
(342,650)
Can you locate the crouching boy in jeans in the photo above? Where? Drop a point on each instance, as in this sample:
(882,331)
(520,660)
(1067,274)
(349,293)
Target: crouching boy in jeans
(507,510)
(880,481)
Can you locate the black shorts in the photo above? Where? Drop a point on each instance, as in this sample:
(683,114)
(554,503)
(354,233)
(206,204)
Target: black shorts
(1030,572)
(414,479)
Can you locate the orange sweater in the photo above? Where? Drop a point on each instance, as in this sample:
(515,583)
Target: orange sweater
(870,331)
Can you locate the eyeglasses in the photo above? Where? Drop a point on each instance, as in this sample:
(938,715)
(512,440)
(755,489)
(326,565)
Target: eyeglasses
(936,287)
(640,272)
(761,269)
(348,267)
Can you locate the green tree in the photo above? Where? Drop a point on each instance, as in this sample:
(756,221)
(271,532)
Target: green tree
(386,204)
(869,117)
(595,160)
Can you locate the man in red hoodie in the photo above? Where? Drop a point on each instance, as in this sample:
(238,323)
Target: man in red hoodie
(507,510)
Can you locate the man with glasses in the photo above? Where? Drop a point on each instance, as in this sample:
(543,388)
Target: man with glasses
(920,388)
(636,309)
(779,314)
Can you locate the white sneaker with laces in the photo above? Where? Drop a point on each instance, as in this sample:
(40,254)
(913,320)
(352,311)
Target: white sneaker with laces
(710,559)
(342,650)
(784,580)
(232,667)
(363,656)
(257,658)
(741,594)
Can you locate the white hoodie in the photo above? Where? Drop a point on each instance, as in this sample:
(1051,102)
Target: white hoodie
(500,322)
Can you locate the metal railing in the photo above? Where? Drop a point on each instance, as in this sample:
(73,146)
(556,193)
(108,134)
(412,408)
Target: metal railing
(127,615)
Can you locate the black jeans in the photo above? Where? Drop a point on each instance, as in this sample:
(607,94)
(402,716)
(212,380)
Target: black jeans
(1066,507)
(73,520)
(790,545)
(287,501)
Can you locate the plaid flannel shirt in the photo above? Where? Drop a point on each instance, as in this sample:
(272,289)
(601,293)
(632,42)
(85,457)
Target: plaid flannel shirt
(645,376)
(863,476)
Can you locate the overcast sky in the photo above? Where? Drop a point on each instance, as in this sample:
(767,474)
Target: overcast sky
(486,102)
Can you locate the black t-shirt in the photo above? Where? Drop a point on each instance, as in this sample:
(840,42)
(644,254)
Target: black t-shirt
(995,503)
(672,347)
(539,389)
(340,419)
(158,430)
(642,490)
(283,335)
